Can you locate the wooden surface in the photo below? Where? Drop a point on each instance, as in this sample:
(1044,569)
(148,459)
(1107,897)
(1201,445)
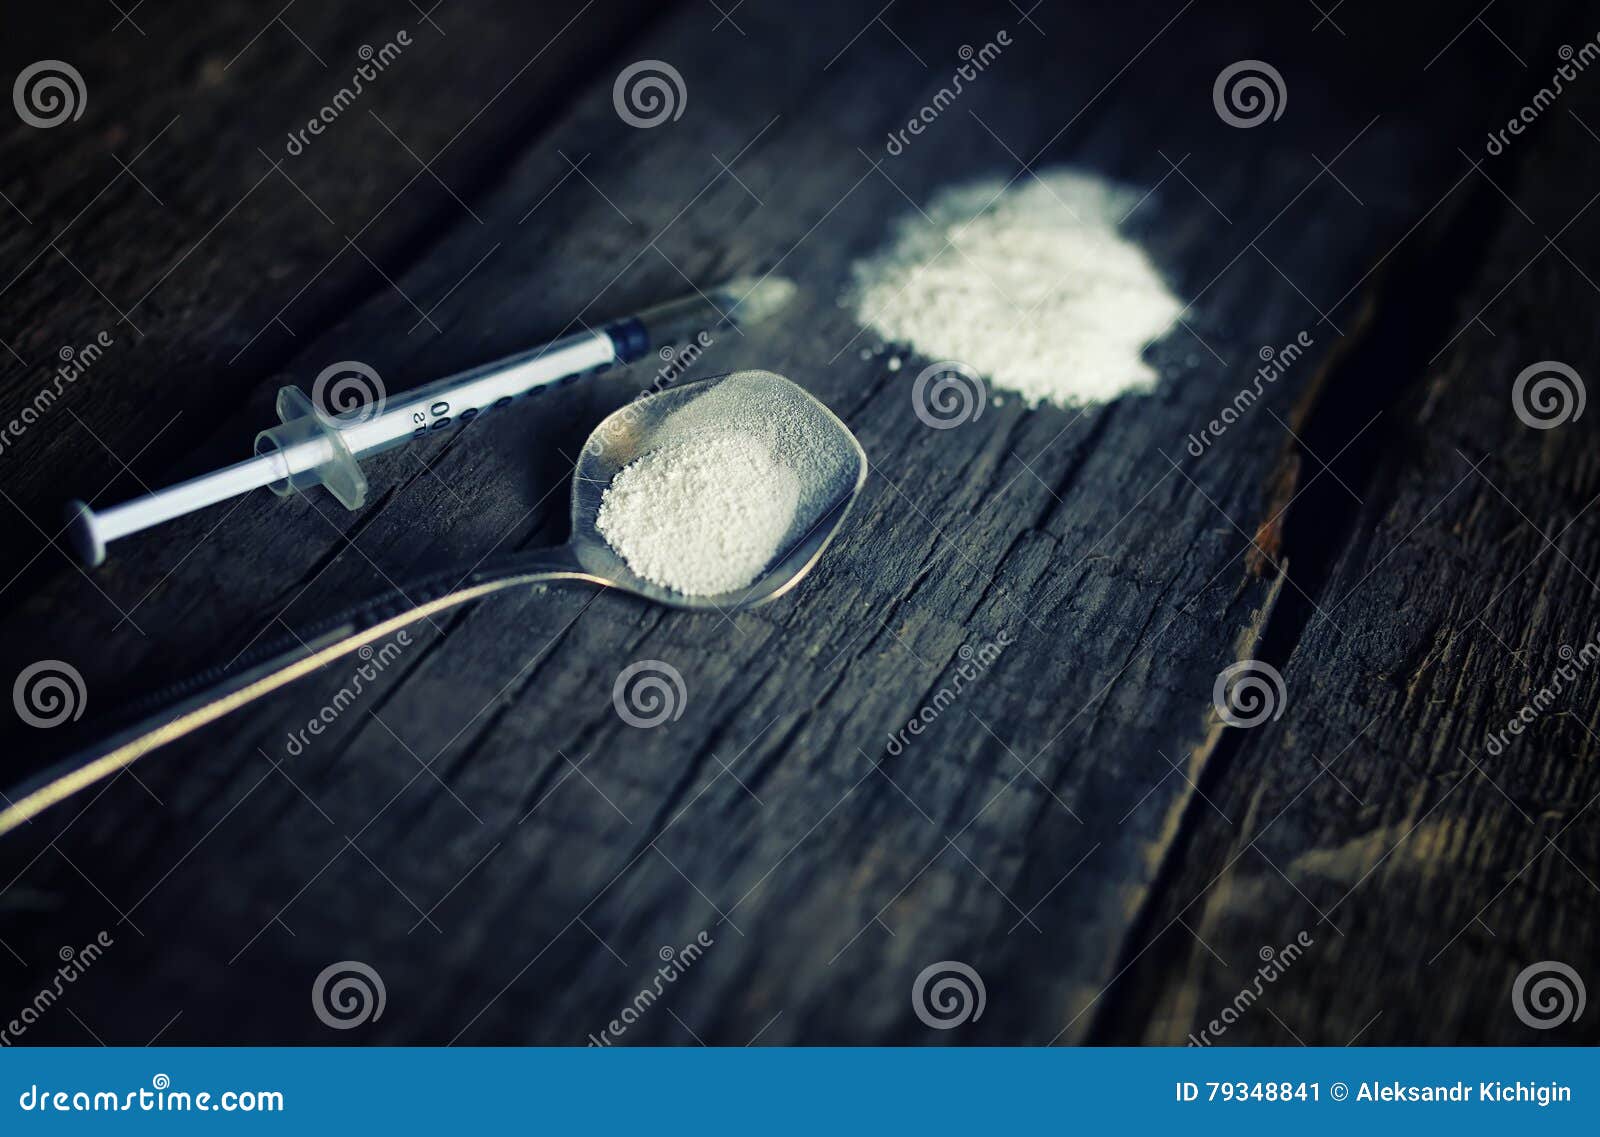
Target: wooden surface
(480,826)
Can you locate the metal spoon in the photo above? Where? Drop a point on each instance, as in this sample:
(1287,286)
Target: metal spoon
(620,438)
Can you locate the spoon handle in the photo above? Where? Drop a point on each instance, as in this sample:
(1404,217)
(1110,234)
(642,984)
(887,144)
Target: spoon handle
(204,698)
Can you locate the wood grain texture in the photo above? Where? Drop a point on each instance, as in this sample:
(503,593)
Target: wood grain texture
(232,247)
(1435,852)
(480,825)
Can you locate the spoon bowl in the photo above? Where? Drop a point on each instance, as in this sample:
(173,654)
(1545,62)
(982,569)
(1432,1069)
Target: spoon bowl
(838,463)
(834,470)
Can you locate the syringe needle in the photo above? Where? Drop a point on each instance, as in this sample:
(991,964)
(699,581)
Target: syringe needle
(309,447)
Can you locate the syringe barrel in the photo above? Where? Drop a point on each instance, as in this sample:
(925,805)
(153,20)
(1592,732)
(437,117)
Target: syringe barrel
(458,399)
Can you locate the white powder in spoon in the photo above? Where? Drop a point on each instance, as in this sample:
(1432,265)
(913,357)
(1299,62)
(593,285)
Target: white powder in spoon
(735,477)
(1031,286)
(703,516)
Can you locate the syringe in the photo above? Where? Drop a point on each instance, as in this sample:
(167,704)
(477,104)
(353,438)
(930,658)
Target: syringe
(311,446)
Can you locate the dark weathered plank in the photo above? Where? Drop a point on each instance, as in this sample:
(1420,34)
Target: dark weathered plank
(1431,865)
(210,267)
(520,888)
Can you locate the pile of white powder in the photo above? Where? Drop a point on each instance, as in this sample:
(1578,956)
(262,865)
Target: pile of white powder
(736,476)
(1031,286)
